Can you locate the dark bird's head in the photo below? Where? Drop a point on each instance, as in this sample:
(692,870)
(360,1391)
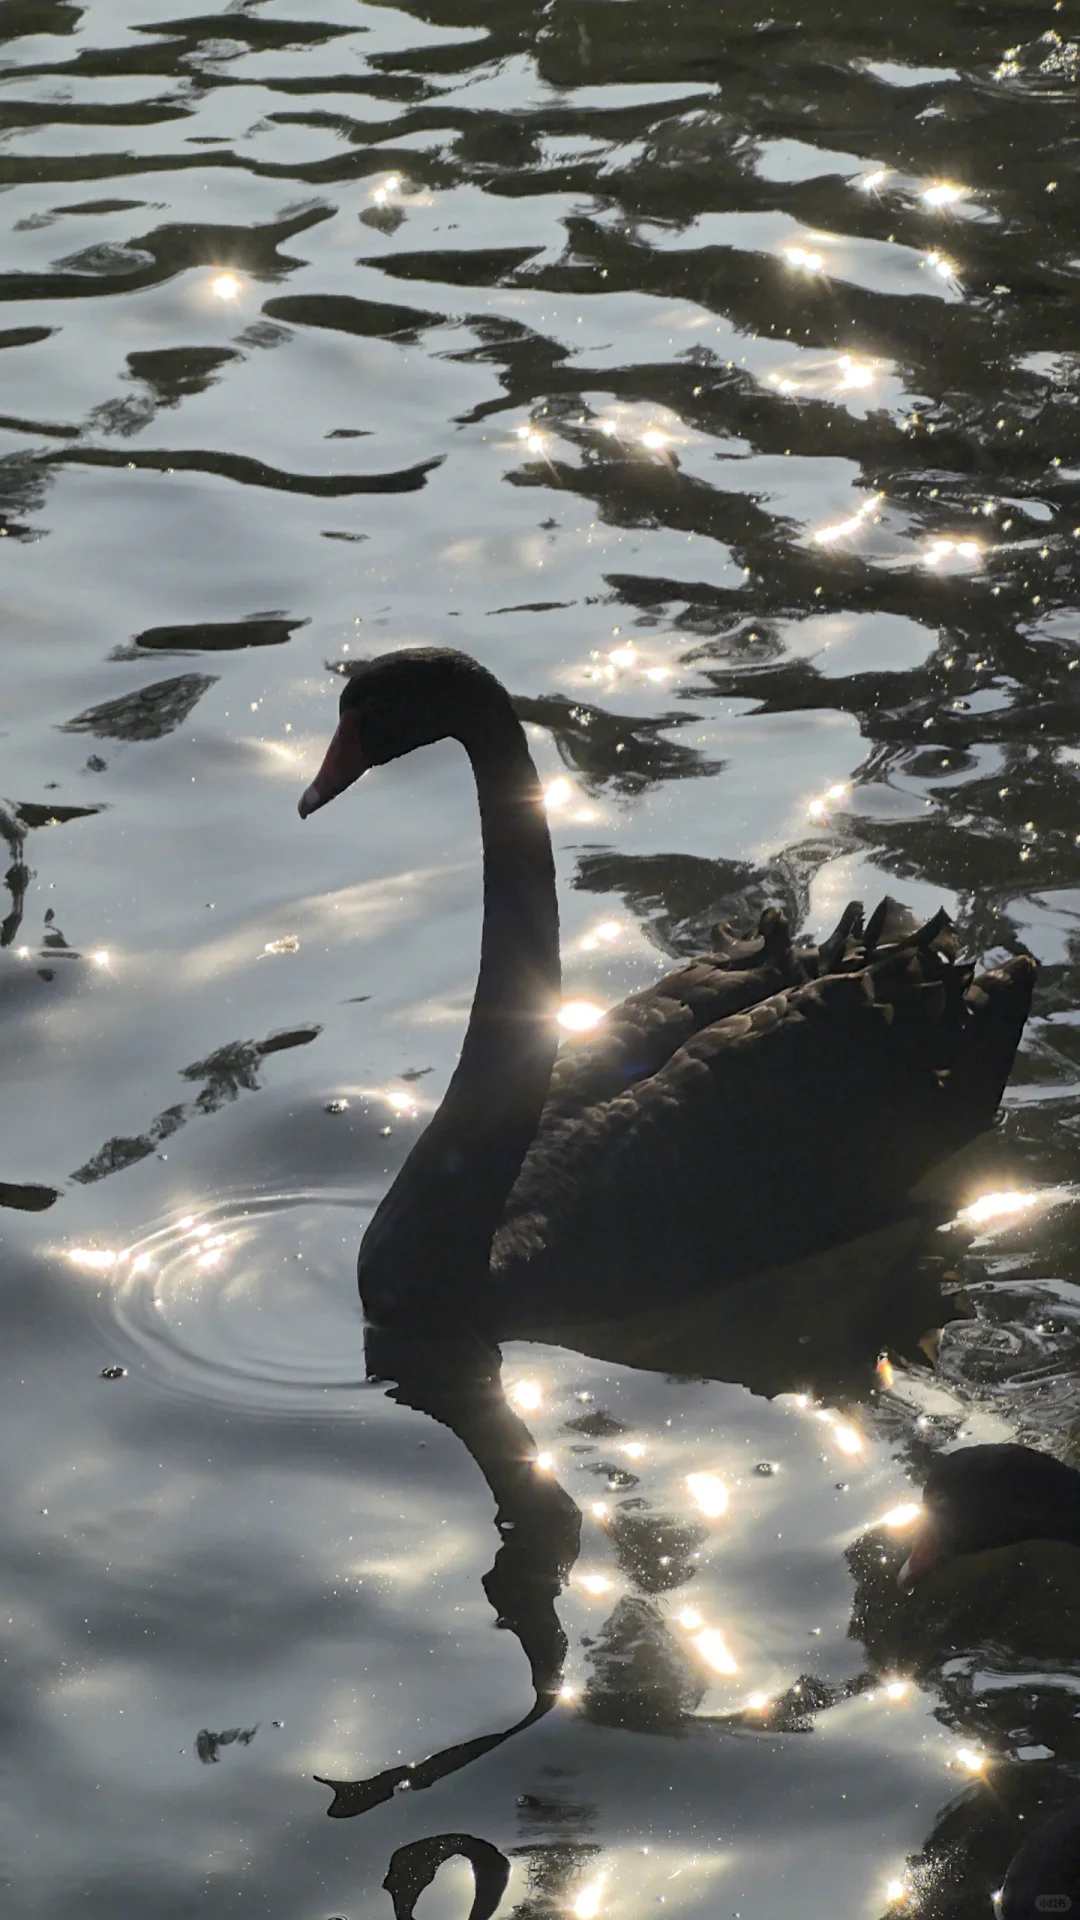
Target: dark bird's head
(1044,1876)
(992,1496)
(401,701)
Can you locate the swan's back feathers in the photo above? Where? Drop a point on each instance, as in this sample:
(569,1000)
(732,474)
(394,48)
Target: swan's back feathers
(800,1117)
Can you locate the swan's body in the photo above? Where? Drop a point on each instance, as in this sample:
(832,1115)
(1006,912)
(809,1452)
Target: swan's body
(749,1110)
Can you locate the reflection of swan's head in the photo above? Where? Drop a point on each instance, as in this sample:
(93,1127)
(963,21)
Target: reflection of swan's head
(401,701)
(413,1867)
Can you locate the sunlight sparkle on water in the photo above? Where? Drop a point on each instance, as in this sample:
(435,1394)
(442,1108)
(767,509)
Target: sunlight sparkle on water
(939,550)
(655,441)
(577,1016)
(622,656)
(896,1689)
(943,193)
(100,958)
(587,1904)
(95,1259)
(596,1583)
(226,286)
(842,529)
(848,1439)
(402,1102)
(757,1702)
(598,1510)
(800,257)
(557,793)
(971,1761)
(544,1462)
(904,1515)
(895,1891)
(634,1450)
(690,1619)
(527,1394)
(709,1492)
(944,268)
(855,373)
(713,1647)
(1008,1205)
(873,182)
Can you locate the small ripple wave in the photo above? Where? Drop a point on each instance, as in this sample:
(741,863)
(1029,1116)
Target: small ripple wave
(252,1303)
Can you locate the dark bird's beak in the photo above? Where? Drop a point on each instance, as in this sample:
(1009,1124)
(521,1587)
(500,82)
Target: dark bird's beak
(926,1552)
(343,763)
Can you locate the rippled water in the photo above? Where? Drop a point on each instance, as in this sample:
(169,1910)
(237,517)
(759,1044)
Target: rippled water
(713,378)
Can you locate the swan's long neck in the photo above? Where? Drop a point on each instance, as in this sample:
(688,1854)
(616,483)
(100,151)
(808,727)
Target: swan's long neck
(427,1250)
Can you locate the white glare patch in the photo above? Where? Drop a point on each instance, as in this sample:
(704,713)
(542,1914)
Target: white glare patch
(940,550)
(997,1206)
(22,953)
(608,429)
(557,793)
(873,182)
(599,1511)
(971,1761)
(544,1462)
(634,1450)
(141,1263)
(943,193)
(904,1515)
(587,1904)
(608,930)
(527,1394)
(657,674)
(848,1439)
(100,958)
(854,373)
(712,1647)
(757,1702)
(839,791)
(595,1583)
(896,1689)
(654,440)
(226,286)
(94,1259)
(802,258)
(842,529)
(944,268)
(709,1492)
(567,1693)
(690,1619)
(402,1102)
(577,1016)
(895,1890)
(622,656)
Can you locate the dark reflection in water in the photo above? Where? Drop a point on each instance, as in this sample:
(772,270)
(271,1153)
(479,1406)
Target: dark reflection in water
(714,378)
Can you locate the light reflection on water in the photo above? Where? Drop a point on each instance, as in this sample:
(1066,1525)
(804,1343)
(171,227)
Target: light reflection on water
(727,416)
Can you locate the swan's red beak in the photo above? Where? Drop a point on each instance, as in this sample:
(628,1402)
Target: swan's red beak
(925,1553)
(344,763)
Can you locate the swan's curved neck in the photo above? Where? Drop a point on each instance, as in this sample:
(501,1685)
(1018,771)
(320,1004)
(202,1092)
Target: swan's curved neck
(427,1251)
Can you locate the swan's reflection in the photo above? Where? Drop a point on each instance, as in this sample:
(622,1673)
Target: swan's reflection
(819,1330)
(459,1385)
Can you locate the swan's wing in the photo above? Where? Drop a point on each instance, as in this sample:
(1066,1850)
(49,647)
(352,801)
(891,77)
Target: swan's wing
(642,1033)
(781,1129)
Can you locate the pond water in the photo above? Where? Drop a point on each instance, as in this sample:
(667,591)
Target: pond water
(712,376)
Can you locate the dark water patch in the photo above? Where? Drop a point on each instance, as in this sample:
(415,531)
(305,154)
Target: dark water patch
(250,473)
(147,713)
(344,313)
(222,636)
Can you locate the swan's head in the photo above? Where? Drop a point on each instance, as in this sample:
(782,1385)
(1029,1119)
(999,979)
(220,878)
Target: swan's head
(992,1496)
(401,701)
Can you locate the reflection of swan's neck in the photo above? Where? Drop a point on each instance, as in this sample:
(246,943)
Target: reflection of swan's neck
(429,1243)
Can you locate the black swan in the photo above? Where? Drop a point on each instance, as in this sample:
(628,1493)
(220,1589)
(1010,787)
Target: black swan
(755,1106)
(1044,1877)
(992,1496)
